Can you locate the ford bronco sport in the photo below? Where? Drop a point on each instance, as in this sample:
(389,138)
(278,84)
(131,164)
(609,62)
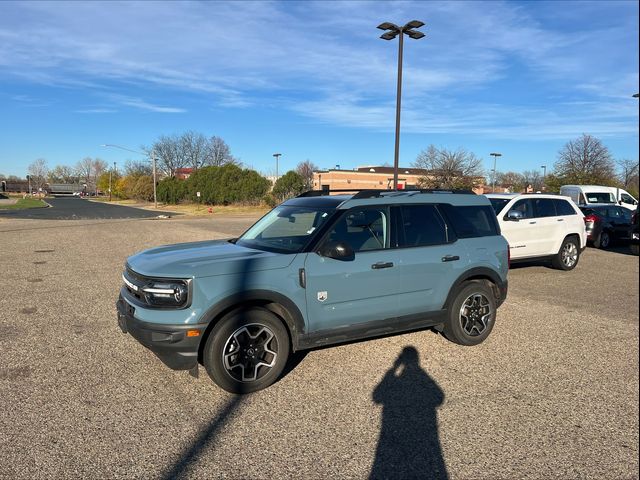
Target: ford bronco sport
(319,270)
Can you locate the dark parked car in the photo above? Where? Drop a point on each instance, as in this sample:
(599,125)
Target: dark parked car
(606,223)
(634,232)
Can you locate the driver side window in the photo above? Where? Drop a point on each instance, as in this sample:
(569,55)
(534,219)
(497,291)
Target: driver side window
(525,207)
(362,229)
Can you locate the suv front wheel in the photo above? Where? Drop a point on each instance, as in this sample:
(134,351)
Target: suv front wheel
(472,314)
(247,350)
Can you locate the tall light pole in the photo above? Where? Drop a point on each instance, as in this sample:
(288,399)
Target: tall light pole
(392,32)
(277,155)
(153,160)
(544,174)
(495,155)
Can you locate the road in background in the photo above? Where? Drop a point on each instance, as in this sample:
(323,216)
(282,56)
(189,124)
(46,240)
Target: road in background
(552,393)
(75,208)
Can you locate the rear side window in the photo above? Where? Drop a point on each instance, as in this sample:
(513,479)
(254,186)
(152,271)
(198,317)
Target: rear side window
(564,208)
(421,226)
(544,207)
(472,221)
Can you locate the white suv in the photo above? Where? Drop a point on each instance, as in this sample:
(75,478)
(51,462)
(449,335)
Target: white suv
(539,226)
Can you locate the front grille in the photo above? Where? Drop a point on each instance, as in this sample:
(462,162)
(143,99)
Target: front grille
(133,283)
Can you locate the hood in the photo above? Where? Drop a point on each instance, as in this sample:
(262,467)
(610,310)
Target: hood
(204,259)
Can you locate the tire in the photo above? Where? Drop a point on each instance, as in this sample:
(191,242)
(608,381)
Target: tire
(471,315)
(604,241)
(257,346)
(568,256)
(634,248)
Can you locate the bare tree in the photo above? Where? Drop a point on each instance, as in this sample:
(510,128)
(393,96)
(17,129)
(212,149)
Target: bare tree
(137,168)
(38,171)
(84,169)
(533,178)
(62,174)
(218,153)
(449,169)
(169,153)
(194,147)
(585,160)
(305,170)
(512,180)
(98,167)
(628,174)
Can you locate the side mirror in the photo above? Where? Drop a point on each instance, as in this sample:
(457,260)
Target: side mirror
(514,215)
(337,251)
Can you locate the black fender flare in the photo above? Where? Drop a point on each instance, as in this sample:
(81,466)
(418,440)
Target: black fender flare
(282,306)
(474,273)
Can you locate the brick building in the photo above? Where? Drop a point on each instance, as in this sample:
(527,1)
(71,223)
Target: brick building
(372,177)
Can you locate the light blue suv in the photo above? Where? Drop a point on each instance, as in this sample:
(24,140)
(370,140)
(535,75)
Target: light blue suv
(319,270)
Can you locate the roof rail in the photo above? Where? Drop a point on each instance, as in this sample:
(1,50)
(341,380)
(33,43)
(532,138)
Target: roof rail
(373,193)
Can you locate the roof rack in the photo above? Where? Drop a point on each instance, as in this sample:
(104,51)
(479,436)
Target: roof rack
(371,193)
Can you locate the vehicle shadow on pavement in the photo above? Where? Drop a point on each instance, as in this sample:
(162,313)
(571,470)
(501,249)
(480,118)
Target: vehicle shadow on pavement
(409,446)
(207,437)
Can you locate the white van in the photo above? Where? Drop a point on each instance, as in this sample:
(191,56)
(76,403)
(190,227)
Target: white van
(587,194)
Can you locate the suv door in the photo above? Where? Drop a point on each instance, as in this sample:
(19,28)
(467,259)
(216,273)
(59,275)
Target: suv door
(549,226)
(429,260)
(522,235)
(342,293)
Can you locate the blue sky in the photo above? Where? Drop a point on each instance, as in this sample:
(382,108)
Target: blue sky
(314,81)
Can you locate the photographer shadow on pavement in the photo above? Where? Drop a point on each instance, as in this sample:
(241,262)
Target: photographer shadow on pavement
(409,446)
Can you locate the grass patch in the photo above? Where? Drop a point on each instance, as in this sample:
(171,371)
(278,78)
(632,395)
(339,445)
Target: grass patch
(24,203)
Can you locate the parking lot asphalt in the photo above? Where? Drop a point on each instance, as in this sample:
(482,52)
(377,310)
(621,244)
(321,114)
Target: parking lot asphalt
(76,208)
(553,392)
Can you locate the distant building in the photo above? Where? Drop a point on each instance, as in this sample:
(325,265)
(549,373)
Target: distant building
(183,173)
(370,177)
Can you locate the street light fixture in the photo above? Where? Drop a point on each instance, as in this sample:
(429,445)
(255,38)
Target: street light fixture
(636,95)
(392,32)
(495,155)
(153,161)
(277,155)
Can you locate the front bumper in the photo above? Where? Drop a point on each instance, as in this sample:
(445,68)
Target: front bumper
(176,345)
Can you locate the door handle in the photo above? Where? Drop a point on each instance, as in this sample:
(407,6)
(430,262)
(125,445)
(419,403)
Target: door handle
(531,223)
(560,219)
(379,265)
(450,258)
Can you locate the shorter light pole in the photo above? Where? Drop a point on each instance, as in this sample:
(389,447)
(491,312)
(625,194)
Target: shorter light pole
(277,155)
(495,155)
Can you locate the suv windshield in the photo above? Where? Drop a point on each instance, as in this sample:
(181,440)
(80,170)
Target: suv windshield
(499,203)
(285,229)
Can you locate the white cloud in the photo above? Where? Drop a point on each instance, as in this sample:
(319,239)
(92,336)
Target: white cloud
(324,59)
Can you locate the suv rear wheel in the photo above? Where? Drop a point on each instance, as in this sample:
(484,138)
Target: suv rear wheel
(603,240)
(568,256)
(247,350)
(472,314)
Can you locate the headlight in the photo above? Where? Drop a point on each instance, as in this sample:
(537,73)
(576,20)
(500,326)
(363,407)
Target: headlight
(166,293)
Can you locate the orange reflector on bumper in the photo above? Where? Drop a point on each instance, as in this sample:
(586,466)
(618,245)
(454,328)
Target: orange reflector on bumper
(193,333)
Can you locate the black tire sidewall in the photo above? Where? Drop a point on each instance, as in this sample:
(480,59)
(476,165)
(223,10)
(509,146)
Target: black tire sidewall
(453,329)
(212,355)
